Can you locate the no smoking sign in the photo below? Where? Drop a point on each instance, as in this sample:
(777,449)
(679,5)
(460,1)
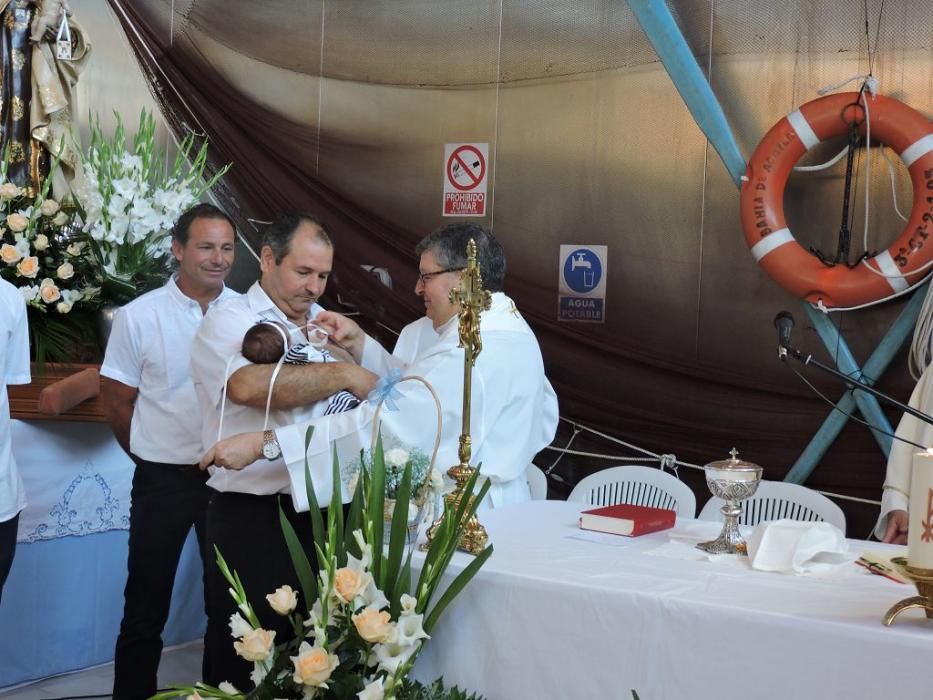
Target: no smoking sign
(465,170)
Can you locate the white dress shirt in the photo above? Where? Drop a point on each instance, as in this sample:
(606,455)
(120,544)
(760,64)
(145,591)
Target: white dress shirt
(149,349)
(14,359)
(215,356)
(513,411)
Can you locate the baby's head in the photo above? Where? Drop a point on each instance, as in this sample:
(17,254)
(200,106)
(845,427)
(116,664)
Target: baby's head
(265,343)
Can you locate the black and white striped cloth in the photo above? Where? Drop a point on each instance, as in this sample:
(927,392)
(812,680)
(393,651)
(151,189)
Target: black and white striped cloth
(305,354)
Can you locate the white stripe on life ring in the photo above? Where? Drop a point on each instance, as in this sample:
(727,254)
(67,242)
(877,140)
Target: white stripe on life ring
(891,272)
(802,127)
(917,150)
(771,242)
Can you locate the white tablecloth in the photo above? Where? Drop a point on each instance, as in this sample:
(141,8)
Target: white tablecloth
(76,476)
(554,617)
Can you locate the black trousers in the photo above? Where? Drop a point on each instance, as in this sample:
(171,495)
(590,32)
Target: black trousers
(247,531)
(7,548)
(166,501)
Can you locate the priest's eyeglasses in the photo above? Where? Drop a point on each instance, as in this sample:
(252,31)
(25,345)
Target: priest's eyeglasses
(425,277)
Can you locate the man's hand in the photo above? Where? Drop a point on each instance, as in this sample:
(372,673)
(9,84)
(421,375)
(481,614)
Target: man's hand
(896,531)
(344,331)
(234,452)
(360,381)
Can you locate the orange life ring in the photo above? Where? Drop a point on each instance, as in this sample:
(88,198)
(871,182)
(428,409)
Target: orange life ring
(772,244)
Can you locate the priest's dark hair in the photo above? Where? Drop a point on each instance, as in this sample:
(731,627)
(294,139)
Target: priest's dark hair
(449,246)
(279,234)
(198,211)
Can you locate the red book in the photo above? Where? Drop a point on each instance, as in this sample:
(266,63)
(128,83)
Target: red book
(626,519)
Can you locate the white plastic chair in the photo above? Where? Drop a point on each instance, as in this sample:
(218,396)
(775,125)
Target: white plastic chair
(537,482)
(642,486)
(775,500)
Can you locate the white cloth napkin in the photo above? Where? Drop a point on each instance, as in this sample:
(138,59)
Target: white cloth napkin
(794,547)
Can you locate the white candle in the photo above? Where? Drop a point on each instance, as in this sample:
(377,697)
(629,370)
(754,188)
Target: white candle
(920,515)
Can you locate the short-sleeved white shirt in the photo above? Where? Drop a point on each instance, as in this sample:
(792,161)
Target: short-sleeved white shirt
(149,349)
(219,339)
(14,361)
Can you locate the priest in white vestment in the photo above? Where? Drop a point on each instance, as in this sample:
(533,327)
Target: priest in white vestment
(892,521)
(513,412)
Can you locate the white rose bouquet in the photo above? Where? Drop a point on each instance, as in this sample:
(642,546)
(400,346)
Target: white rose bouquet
(129,204)
(44,254)
(359,622)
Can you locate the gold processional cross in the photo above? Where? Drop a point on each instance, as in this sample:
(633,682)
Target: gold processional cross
(473,300)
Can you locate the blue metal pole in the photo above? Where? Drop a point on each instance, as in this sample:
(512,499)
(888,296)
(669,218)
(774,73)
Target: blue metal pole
(875,366)
(669,43)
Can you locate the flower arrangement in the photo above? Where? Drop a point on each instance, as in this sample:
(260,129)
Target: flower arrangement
(359,623)
(427,482)
(48,261)
(129,204)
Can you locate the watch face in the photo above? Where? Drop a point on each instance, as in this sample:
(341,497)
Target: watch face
(270,450)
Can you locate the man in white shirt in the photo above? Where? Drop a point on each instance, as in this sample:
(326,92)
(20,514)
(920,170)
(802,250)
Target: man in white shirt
(153,410)
(514,410)
(243,516)
(14,359)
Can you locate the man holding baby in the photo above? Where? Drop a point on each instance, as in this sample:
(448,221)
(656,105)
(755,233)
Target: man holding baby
(235,397)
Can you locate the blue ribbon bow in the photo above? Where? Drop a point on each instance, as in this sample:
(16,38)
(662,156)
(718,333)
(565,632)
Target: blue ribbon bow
(385,390)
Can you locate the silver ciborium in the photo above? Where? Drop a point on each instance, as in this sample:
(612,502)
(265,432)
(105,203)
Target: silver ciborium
(733,480)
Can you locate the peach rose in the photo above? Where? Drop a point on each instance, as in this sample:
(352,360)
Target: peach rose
(28,266)
(41,242)
(9,191)
(74,249)
(17,222)
(348,583)
(49,293)
(65,271)
(284,600)
(10,254)
(313,665)
(373,626)
(49,207)
(255,645)
(61,218)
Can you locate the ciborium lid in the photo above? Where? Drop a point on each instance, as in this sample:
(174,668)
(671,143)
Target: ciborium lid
(733,464)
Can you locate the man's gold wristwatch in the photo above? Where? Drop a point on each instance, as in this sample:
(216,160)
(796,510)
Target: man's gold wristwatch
(270,445)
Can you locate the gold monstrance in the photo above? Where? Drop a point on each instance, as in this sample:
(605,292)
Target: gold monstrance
(473,300)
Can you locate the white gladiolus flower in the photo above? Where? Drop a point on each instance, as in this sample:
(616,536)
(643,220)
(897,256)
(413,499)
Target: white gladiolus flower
(30,293)
(409,630)
(228,688)
(238,626)
(408,604)
(373,691)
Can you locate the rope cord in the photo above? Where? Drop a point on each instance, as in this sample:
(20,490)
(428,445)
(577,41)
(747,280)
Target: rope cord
(665,459)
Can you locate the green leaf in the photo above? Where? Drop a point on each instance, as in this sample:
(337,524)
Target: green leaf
(463,578)
(376,505)
(317,521)
(398,538)
(335,511)
(299,561)
(354,520)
